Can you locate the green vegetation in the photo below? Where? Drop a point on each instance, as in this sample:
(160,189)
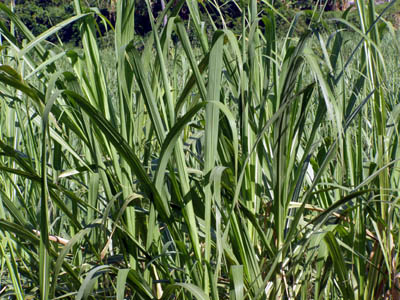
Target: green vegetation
(209,165)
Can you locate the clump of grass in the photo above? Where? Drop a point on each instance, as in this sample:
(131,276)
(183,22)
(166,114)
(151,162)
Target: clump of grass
(247,168)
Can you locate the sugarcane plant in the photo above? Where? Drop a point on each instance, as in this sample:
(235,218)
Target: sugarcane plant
(202,163)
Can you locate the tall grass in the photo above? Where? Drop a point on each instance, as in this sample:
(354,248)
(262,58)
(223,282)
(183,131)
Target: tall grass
(246,167)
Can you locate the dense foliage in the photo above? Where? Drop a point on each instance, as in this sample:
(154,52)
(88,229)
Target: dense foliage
(205,163)
(40,14)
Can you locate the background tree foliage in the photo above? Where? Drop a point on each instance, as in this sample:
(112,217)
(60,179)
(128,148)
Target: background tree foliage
(42,14)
